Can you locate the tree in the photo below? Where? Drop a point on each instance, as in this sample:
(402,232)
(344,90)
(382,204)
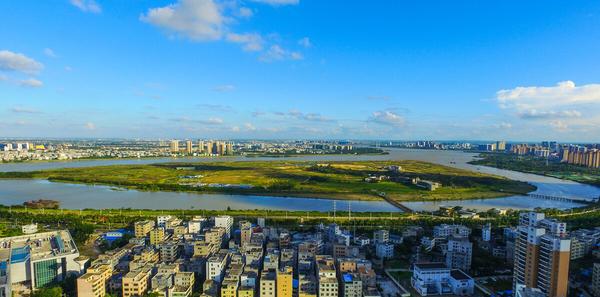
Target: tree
(48,292)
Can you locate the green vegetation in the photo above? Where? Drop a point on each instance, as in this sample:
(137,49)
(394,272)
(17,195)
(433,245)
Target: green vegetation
(340,180)
(541,166)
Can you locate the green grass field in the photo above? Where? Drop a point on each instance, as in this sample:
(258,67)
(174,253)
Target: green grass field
(342,180)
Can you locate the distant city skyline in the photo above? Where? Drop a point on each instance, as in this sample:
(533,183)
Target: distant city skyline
(300,69)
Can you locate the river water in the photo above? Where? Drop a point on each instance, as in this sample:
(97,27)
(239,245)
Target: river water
(77,196)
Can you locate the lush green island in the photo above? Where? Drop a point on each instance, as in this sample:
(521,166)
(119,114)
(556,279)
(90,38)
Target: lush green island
(360,180)
(540,166)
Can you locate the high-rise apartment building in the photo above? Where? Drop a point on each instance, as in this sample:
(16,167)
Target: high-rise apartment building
(542,255)
(596,280)
(225,222)
(188,146)
(174,146)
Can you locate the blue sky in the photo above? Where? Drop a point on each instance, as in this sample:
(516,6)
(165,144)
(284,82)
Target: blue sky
(515,70)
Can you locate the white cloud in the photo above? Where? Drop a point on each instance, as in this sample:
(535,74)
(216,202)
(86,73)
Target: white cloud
(564,106)
(11,61)
(50,53)
(387,117)
(277,53)
(245,12)
(212,121)
(249,127)
(378,97)
(559,125)
(90,126)
(535,114)
(18,109)
(305,42)
(224,88)
(278,2)
(87,5)
(503,125)
(195,19)
(31,83)
(252,42)
(565,93)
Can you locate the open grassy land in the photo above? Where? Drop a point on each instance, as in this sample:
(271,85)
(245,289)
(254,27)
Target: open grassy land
(342,180)
(536,165)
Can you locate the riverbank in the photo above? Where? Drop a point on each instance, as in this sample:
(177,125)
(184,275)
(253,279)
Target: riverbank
(331,180)
(540,166)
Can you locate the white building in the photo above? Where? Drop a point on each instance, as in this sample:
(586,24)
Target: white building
(196,224)
(29,229)
(381,236)
(384,250)
(361,240)
(161,221)
(445,230)
(38,259)
(215,267)
(225,222)
(436,279)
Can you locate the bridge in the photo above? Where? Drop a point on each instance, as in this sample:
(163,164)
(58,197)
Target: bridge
(564,199)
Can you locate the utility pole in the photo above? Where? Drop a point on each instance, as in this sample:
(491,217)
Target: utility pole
(349,211)
(334,210)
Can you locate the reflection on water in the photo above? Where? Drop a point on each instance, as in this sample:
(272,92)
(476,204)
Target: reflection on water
(78,196)
(84,196)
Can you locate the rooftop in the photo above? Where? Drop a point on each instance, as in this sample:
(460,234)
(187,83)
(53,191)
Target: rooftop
(459,275)
(433,265)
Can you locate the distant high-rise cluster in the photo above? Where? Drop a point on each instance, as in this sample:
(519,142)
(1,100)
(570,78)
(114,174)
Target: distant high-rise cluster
(526,149)
(221,148)
(20,146)
(580,155)
(495,146)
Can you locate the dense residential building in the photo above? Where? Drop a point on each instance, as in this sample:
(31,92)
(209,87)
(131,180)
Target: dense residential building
(136,282)
(542,255)
(459,253)
(381,236)
(225,222)
(445,231)
(142,228)
(267,283)
(384,250)
(284,282)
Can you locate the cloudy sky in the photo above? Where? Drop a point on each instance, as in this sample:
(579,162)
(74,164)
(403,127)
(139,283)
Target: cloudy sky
(514,70)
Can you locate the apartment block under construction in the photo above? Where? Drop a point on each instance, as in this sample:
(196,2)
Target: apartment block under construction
(542,254)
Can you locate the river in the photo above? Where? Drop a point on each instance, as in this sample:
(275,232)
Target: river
(76,196)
